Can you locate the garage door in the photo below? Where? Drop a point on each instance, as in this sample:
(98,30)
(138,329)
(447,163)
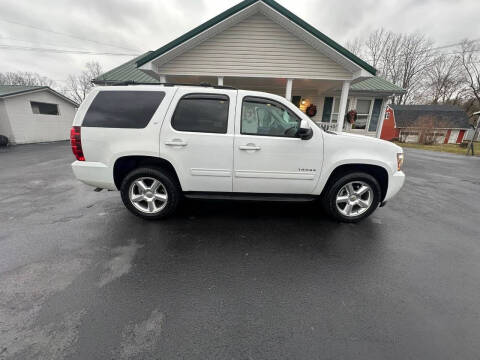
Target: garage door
(453,136)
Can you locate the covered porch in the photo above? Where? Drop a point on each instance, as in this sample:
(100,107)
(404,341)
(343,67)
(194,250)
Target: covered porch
(332,98)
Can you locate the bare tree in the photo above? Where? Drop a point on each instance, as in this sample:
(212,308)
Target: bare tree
(444,80)
(376,46)
(414,58)
(400,58)
(355,46)
(79,85)
(25,79)
(471,64)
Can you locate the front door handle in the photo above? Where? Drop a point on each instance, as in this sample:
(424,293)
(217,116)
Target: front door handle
(176,142)
(249,147)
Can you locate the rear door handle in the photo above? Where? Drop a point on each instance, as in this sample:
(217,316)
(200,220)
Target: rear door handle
(249,147)
(176,142)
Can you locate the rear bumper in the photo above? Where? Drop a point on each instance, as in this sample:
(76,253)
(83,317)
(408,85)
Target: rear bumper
(94,174)
(395,183)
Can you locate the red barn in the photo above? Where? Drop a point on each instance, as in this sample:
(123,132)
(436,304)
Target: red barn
(409,123)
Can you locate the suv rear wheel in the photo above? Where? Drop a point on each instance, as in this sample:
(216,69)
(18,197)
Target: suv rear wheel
(352,197)
(150,193)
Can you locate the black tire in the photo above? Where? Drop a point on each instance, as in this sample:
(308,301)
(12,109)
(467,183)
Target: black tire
(170,187)
(330,196)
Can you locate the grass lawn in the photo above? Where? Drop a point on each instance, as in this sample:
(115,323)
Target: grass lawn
(451,148)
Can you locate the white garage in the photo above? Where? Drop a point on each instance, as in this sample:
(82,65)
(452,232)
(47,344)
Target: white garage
(30,114)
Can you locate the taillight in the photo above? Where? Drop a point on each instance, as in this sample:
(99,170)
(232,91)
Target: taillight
(76,142)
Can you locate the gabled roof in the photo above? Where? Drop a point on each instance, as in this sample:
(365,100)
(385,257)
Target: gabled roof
(14,90)
(239,7)
(440,116)
(8,90)
(125,72)
(376,84)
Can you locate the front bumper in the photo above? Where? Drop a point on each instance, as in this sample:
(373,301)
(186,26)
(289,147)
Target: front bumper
(395,183)
(94,174)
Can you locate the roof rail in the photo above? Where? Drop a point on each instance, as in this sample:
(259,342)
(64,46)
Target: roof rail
(131,82)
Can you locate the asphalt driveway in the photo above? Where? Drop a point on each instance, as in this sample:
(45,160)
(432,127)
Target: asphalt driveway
(81,278)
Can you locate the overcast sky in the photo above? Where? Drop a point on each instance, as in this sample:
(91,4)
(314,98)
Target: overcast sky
(133,27)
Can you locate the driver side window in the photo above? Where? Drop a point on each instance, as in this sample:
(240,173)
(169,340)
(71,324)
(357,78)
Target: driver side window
(267,118)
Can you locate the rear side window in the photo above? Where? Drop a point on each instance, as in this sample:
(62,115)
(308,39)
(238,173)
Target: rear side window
(123,109)
(202,113)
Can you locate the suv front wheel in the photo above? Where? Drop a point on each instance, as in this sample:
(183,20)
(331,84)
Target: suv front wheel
(150,194)
(352,197)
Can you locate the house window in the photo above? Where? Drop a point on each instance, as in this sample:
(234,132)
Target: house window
(44,108)
(363,113)
(336,107)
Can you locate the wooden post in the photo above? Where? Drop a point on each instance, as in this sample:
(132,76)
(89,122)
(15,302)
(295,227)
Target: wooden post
(288,90)
(470,146)
(220,81)
(343,104)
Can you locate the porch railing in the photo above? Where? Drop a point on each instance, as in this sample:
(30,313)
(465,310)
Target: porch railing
(327,126)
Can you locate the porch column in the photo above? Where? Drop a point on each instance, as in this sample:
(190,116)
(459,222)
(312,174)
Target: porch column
(163,79)
(342,104)
(288,90)
(382,118)
(220,81)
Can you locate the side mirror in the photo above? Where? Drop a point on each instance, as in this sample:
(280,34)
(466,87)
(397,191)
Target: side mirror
(304,132)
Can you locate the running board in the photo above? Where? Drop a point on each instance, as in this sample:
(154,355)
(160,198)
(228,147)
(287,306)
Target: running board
(248,196)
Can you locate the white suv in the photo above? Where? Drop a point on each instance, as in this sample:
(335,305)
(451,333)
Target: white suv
(157,143)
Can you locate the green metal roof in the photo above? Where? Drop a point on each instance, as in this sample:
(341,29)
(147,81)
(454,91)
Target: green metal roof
(244,4)
(376,84)
(124,72)
(6,90)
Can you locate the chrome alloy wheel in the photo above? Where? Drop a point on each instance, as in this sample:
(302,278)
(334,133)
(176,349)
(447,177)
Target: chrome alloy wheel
(354,198)
(148,195)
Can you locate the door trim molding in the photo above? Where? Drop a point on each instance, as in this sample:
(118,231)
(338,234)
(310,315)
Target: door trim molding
(292,175)
(210,172)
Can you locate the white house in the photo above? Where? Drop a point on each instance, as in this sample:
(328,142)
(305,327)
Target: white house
(30,114)
(260,45)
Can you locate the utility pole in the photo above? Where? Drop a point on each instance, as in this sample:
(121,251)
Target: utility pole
(475,134)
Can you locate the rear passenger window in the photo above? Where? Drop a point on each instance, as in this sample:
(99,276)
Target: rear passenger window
(123,109)
(202,113)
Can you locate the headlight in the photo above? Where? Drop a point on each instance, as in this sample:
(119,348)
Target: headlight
(400,158)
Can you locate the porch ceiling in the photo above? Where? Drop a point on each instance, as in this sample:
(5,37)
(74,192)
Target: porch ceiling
(274,85)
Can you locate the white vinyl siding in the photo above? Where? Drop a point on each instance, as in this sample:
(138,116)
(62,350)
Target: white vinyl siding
(256,47)
(27,127)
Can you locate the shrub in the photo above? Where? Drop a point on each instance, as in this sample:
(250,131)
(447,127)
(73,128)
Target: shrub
(3,140)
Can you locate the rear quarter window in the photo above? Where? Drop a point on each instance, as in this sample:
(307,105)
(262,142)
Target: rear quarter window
(123,109)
